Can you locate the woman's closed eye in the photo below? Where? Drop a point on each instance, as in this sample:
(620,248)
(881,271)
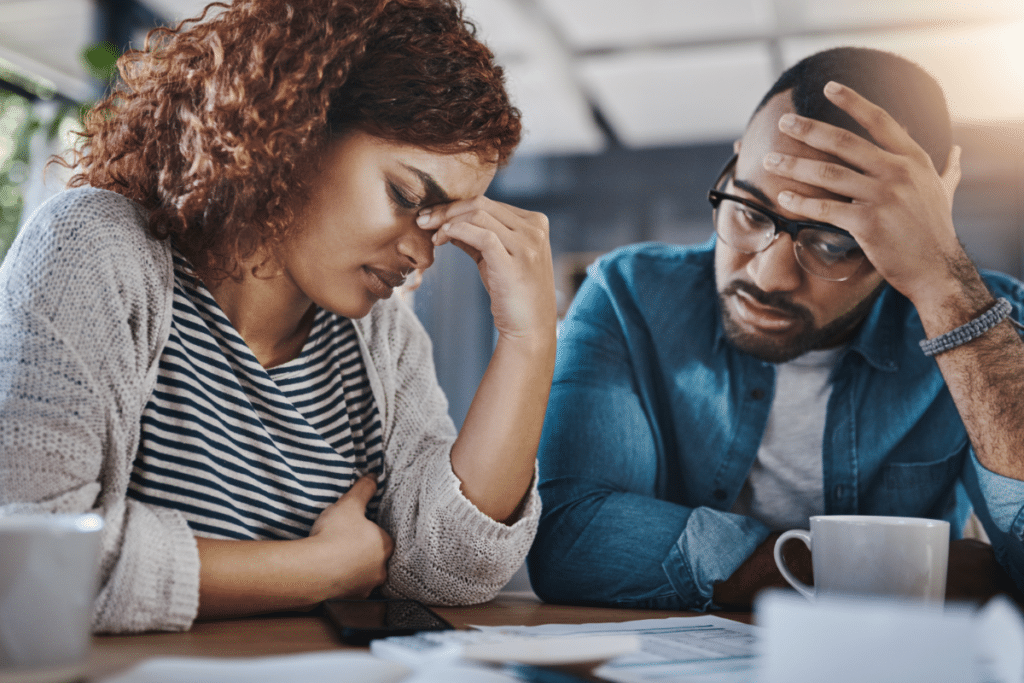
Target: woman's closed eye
(403,199)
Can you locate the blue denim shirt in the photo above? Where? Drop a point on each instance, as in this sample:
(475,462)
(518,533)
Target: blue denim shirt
(655,420)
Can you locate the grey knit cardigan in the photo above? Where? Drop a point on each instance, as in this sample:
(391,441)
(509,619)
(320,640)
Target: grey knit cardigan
(85,311)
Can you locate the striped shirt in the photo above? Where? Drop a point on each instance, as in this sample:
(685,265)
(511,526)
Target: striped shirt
(245,452)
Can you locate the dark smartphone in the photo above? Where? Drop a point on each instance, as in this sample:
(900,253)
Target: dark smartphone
(360,621)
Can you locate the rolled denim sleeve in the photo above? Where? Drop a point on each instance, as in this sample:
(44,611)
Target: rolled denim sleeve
(608,535)
(1004,496)
(712,546)
(999,503)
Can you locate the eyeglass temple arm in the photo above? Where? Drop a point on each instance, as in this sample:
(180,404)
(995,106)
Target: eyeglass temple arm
(729,165)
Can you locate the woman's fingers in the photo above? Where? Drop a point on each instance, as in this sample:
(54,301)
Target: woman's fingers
(465,223)
(482,243)
(518,230)
(509,216)
(352,502)
(361,492)
(512,251)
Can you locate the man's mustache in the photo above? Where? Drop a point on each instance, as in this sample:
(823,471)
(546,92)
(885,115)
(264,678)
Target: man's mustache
(777,300)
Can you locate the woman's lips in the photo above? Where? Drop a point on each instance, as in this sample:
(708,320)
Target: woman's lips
(382,283)
(764,318)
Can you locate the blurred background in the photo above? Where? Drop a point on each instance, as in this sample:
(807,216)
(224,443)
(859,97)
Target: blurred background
(630,109)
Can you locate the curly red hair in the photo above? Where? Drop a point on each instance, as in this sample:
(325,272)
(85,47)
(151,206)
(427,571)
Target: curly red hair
(216,124)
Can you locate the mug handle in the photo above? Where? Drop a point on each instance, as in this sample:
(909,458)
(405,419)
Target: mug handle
(805,536)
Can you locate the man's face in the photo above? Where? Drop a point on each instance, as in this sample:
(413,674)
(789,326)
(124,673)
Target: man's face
(771,307)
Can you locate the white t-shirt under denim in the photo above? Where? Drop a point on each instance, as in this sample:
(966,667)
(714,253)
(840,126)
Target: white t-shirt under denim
(785,487)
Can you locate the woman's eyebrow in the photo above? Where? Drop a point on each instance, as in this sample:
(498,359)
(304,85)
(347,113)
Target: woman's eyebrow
(434,192)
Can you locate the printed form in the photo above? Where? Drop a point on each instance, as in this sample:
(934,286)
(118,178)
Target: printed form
(704,649)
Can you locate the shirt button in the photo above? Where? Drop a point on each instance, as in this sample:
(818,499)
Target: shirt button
(757,394)
(719,494)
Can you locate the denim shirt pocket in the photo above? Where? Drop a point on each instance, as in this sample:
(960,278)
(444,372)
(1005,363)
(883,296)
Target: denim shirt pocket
(916,488)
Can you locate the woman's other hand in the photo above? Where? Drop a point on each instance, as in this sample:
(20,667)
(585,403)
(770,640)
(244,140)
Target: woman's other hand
(345,556)
(354,548)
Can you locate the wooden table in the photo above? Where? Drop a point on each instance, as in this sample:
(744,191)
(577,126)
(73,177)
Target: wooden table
(292,633)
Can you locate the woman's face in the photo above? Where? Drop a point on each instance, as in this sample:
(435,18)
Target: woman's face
(358,239)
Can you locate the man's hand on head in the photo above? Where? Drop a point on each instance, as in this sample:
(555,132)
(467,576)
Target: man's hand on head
(900,209)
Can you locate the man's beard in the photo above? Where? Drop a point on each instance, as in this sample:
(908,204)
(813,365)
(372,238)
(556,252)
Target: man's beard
(773,350)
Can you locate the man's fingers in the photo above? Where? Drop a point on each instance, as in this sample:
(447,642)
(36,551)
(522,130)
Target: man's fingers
(876,121)
(831,176)
(893,141)
(818,209)
(839,142)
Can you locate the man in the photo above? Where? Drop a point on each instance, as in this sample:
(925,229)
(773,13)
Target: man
(707,398)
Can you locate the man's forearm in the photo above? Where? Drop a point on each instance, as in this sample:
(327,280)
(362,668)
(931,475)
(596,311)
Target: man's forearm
(985,376)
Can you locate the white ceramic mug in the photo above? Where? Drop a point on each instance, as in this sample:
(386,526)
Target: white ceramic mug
(48,581)
(902,557)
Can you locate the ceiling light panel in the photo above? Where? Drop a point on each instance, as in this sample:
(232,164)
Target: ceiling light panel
(601,24)
(687,96)
(556,119)
(540,77)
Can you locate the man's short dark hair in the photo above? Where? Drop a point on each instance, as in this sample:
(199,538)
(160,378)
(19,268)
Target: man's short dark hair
(896,84)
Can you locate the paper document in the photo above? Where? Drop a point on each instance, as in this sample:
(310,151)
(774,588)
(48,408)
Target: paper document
(497,646)
(315,667)
(705,649)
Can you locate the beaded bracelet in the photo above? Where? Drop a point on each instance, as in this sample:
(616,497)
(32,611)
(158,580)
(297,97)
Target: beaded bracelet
(968,331)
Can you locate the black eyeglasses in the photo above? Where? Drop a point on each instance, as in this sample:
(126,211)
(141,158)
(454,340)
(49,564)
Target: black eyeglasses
(821,249)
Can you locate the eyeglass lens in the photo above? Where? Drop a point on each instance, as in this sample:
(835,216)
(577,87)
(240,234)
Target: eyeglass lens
(828,255)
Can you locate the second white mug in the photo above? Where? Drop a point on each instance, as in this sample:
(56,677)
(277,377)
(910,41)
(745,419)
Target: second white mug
(48,579)
(899,557)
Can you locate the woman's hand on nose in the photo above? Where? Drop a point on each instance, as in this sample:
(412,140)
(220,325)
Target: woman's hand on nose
(513,253)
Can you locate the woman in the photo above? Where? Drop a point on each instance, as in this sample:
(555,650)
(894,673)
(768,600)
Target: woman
(201,342)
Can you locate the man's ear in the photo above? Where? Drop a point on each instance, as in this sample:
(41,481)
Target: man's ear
(736,144)
(951,177)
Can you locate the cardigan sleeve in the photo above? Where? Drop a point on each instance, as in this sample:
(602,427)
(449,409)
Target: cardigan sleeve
(84,314)
(446,551)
